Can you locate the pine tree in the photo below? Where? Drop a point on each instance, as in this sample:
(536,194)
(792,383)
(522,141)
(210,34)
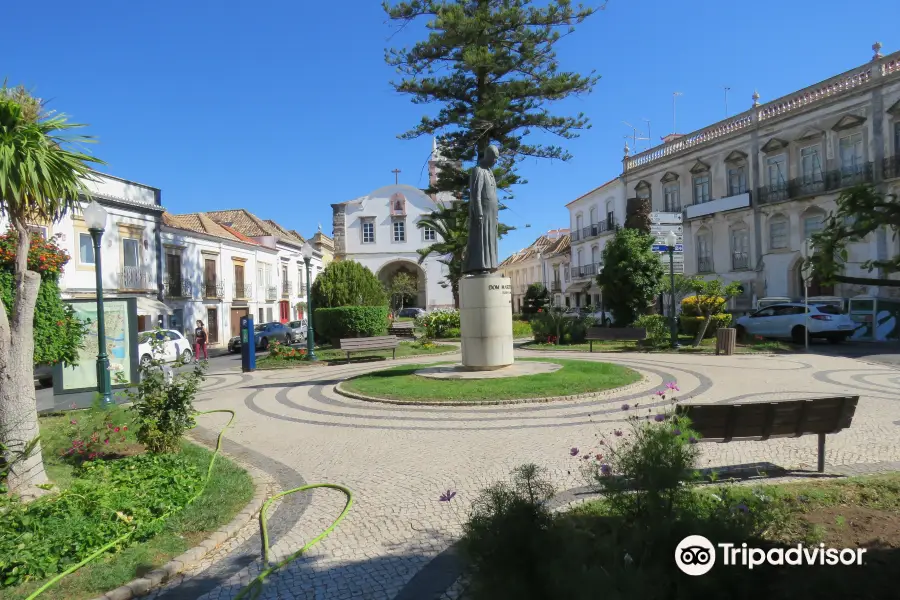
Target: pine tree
(492,67)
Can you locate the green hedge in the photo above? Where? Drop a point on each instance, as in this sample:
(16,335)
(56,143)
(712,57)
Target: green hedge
(351,321)
(691,325)
(572,330)
(657,327)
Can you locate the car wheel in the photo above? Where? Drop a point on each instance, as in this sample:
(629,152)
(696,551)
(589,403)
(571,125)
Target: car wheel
(798,334)
(740,333)
(264,343)
(146,361)
(186,355)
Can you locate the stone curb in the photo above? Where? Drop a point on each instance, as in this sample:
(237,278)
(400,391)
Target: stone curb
(189,559)
(338,389)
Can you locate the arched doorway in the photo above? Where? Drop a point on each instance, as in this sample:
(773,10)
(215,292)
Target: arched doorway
(418,297)
(816,287)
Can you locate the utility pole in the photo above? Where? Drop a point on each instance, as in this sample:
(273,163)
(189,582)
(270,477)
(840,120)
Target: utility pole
(726,101)
(674,97)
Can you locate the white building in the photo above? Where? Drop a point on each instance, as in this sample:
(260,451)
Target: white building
(380,231)
(753,187)
(545,261)
(130,246)
(594,217)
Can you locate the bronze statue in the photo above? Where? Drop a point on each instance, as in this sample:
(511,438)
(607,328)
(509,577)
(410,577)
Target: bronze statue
(481,251)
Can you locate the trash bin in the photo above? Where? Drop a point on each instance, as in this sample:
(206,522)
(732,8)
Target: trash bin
(725,341)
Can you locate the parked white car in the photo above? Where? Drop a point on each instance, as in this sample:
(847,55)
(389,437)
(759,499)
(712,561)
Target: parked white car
(174,346)
(789,320)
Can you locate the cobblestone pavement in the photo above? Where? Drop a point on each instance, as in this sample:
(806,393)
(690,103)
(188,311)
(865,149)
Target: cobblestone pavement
(398,460)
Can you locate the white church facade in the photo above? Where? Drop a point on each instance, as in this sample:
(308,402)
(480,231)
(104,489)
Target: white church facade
(380,231)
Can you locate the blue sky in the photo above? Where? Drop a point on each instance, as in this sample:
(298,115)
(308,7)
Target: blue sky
(284,109)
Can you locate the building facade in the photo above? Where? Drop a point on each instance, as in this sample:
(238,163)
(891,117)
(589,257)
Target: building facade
(593,219)
(545,261)
(380,231)
(755,186)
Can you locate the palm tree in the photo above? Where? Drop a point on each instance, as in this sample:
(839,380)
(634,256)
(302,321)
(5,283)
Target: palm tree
(40,180)
(450,224)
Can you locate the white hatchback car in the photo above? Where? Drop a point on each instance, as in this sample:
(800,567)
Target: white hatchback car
(789,320)
(174,346)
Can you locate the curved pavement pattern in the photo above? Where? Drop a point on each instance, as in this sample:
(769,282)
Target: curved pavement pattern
(398,460)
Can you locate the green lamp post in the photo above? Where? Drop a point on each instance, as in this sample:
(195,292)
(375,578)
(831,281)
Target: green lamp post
(310,333)
(95,218)
(671,239)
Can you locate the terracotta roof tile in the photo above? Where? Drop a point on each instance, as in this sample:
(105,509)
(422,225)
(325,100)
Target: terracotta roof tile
(198,223)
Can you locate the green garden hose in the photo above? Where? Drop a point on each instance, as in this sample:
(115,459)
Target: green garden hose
(255,586)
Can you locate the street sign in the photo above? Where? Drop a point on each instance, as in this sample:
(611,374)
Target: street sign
(661,240)
(660,218)
(664,229)
(664,248)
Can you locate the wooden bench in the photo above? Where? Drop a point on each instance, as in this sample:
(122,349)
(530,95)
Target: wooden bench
(404,328)
(384,342)
(763,420)
(618,334)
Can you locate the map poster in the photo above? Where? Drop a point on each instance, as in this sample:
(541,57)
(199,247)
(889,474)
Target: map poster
(121,344)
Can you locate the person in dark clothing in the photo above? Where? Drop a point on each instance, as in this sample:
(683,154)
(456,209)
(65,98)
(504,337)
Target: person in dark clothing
(200,338)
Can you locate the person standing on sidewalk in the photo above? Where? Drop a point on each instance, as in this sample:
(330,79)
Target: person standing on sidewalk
(200,338)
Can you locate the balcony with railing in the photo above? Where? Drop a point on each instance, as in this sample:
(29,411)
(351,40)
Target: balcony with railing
(584,271)
(705,264)
(593,230)
(134,278)
(556,286)
(891,167)
(740,260)
(286,289)
(213,289)
(242,291)
(301,289)
(271,292)
(830,181)
(177,288)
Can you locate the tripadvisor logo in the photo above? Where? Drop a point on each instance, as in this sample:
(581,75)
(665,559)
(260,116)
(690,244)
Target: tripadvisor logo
(696,555)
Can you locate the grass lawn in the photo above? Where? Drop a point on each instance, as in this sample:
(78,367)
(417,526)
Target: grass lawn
(326,353)
(707,346)
(859,512)
(228,491)
(575,377)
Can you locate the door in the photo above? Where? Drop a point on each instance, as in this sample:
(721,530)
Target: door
(284,311)
(176,320)
(212,325)
(236,314)
(209,278)
(758,323)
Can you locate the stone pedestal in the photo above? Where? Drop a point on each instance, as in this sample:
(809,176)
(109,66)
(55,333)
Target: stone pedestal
(485,314)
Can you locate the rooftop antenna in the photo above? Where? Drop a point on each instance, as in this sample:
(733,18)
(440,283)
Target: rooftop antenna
(726,101)
(674,97)
(649,137)
(634,136)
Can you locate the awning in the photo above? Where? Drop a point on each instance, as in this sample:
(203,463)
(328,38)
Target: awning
(152,307)
(577,288)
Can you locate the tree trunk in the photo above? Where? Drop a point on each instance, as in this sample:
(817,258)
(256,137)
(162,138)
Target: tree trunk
(702,331)
(18,407)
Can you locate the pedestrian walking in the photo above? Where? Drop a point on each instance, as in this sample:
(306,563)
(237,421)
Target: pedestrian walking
(200,338)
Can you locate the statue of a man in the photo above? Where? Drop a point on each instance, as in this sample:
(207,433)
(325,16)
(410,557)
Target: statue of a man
(481,252)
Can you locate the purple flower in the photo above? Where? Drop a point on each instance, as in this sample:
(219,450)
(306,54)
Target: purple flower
(573,452)
(743,508)
(659,418)
(692,440)
(625,407)
(618,432)
(73,422)
(605,470)
(676,432)
(447,496)
(660,393)
(673,386)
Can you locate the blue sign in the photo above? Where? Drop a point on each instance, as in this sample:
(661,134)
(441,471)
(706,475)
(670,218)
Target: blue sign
(664,248)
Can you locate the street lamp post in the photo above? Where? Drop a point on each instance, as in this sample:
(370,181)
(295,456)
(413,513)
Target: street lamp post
(95,218)
(673,325)
(310,333)
(805,252)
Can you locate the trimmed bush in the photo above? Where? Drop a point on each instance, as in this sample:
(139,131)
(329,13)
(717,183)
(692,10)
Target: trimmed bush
(438,323)
(351,321)
(347,283)
(691,325)
(692,305)
(657,327)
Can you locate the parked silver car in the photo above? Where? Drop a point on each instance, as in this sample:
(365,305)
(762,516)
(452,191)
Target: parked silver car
(298,329)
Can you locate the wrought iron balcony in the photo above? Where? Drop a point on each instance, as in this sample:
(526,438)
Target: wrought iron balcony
(213,289)
(593,230)
(242,291)
(134,278)
(271,292)
(740,260)
(583,271)
(301,289)
(705,265)
(891,167)
(286,289)
(177,288)
(819,183)
(556,286)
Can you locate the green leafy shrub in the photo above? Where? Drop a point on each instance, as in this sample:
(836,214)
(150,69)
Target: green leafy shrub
(453,332)
(631,275)
(163,403)
(657,327)
(98,432)
(283,352)
(106,501)
(693,306)
(551,326)
(691,325)
(351,321)
(522,329)
(347,283)
(536,299)
(438,323)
